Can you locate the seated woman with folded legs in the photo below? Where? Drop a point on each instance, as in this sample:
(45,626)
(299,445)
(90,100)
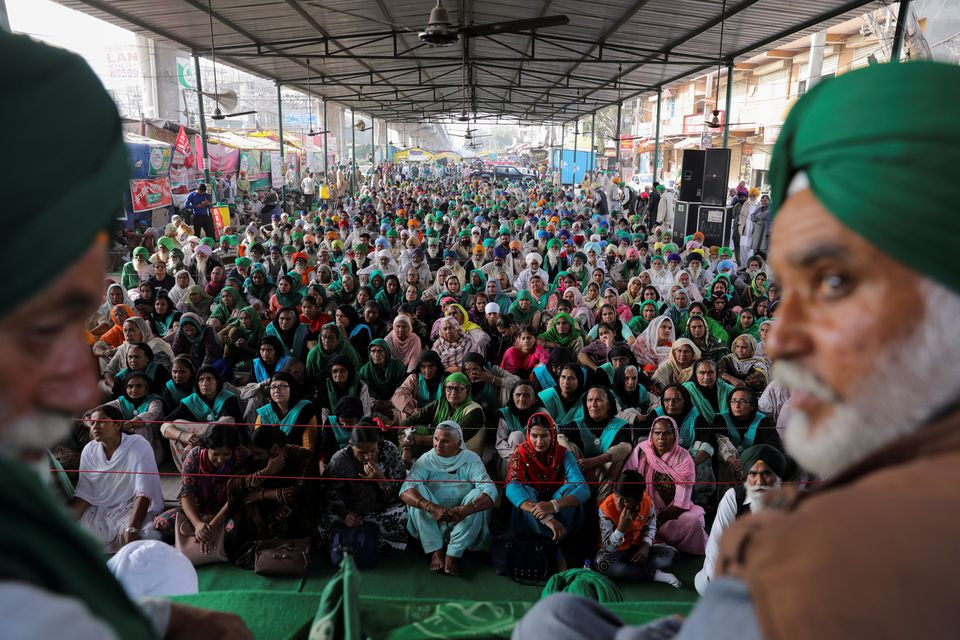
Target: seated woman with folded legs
(363,487)
(203,486)
(447,493)
(669,471)
(116,507)
(628,526)
(545,483)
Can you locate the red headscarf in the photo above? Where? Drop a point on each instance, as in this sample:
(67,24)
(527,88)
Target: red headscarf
(542,471)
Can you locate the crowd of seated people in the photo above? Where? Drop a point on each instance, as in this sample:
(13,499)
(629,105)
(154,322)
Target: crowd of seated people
(444,361)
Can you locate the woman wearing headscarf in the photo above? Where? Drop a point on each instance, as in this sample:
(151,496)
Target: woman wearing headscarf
(719,312)
(135,330)
(524,311)
(598,438)
(545,484)
(209,403)
(645,312)
(286,295)
(678,367)
(203,485)
(469,328)
(669,473)
(258,288)
(289,411)
(353,327)
(660,276)
(241,336)
(226,308)
(292,334)
(698,332)
(447,493)
(745,324)
(739,427)
(405,345)
(495,294)
(197,302)
(116,295)
(452,344)
(562,331)
(578,309)
(653,346)
(140,358)
(610,298)
(179,291)
(633,399)
(709,394)
(363,487)
(685,280)
(453,404)
(565,399)
(183,376)
(764,331)
(607,313)
(677,309)
(332,343)
(341,380)
(544,376)
(523,402)
(165,317)
(633,294)
(742,368)
(525,354)
(390,298)
(141,409)
(422,386)
(383,374)
(197,340)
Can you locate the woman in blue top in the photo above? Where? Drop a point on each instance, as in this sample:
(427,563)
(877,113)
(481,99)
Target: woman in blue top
(271,360)
(599,439)
(209,403)
(292,334)
(545,484)
(564,400)
(290,411)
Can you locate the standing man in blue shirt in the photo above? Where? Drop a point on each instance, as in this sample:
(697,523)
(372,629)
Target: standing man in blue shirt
(198,202)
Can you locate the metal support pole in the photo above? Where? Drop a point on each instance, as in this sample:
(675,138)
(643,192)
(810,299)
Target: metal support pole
(619,107)
(563,141)
(593,142)
(576,137)
(353,153)
(902,17)
(656,139)
(283,185)
(726,113)
(326,169)
(373,140)
(203,125)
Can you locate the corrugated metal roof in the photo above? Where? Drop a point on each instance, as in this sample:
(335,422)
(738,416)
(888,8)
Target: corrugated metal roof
(610,51)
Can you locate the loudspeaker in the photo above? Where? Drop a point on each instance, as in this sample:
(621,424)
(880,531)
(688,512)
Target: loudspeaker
(691,176)
(716,172)
(685,220)
(716,224)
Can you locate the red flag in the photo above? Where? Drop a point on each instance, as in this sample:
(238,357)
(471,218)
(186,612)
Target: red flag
(182,145)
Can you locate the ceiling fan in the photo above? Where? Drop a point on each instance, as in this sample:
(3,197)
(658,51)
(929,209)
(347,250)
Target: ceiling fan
(441,32)
(218,114)
(714,122)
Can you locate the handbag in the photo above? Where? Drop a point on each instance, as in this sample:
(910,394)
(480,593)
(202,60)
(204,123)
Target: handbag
(362,542)
(282,557)
(524,560)
(187,544)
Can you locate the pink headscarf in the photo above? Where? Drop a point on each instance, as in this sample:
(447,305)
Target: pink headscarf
(676,463)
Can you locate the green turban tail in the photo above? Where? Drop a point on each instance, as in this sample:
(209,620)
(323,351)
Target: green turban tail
(860,135)
(585,583)
(88,196)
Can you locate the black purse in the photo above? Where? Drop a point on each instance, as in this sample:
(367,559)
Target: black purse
(362,542)
(524,560)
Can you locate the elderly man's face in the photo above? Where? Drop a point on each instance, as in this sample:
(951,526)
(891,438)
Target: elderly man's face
(840,317)
(48,376)
(761,477)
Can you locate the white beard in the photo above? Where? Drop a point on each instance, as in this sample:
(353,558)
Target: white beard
(28,437)
(756,495)
(914,380)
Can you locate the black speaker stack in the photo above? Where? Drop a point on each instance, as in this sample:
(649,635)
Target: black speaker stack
(702,203)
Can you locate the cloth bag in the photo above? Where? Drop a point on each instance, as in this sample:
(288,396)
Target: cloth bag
(363,543)
(188,545)
(282,557)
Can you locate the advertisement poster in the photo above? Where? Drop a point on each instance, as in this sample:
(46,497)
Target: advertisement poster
(182,145)
(160,161)
(276,170)
(150,193)
(221,219)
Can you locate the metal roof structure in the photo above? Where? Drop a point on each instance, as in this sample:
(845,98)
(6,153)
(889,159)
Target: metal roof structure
(366,54)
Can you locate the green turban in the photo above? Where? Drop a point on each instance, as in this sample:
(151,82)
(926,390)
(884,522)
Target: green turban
(858,135)
(769,455)
(166,242)
(87,197)
(244,262)
(585,583)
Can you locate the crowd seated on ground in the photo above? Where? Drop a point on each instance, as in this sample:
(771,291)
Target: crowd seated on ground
(585,377)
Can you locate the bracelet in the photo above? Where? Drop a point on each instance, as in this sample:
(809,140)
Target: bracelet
(556,506)
(546,519)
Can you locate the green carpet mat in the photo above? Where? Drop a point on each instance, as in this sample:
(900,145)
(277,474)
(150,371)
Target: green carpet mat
(402,600)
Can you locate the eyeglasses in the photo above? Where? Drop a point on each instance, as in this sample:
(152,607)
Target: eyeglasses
(279,387)
(739,401)
(455,388)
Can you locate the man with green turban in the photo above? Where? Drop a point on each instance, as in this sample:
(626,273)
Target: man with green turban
(867,342)
(54,581)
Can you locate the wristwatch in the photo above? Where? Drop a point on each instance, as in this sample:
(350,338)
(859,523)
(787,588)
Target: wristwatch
(129,530)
